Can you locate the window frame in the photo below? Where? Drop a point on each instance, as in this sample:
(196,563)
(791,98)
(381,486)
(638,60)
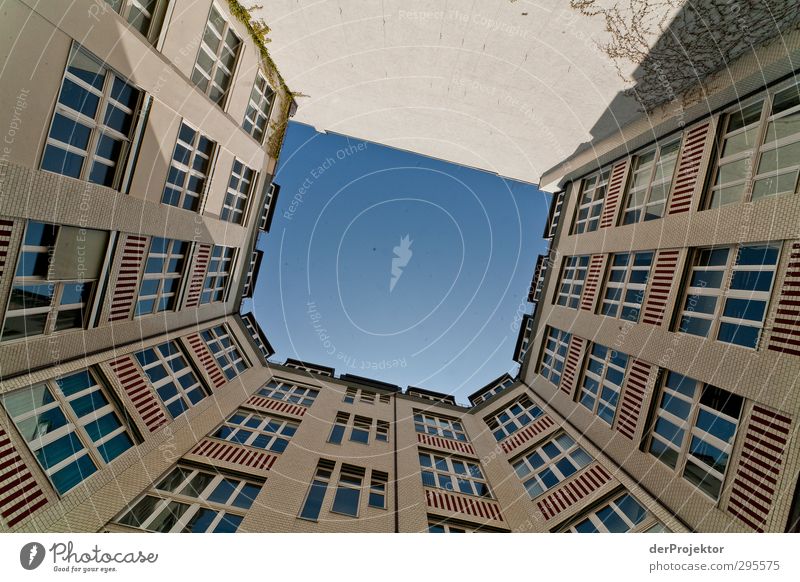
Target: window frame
(601,398)
(497,425)
(156,19)
(216,283)
(234,194)
(600,180)
(296,393)
(650,182)
(571,269)
(282,433)
(189,169)
(615,505)
(561,339)
(437,425)
(626,285)
(231,353)
(352,473)
(565,452)
(172,376)
(254,110)
(163,276)
(442,466)
(216,57)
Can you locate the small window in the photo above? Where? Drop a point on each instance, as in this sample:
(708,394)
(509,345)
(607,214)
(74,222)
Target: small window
(554,354)
(172,377)
(190,169)
(284,390)
(603,375)
(218,275)
(382,431)
(626,282)
(225,351)
(550,464)
(377,489)
(592,197)
(385,399)
(367,397)
(348,491)
(161,281)
(439,426)
(573,277)
(258,109)
(350,395)
(621,515)
(70,425)
(145,16)
(650,183)
(240,187)
(453,474)
(512,418)
(255,430)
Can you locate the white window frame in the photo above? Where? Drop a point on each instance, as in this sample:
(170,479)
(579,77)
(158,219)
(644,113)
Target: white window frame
(442,426)
(216,57)
(591,199)
(516,415)
(572,281)
(289,391)
(442,467)
(554,354)
(240,189)
(648,177)
(229,357)
(625,285)
(647,523)
(607,395)
(163,276)
(530,475)
(276,430)
(259,108)
(189,169)
(173,376)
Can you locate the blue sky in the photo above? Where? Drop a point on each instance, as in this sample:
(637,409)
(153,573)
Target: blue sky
(325,293)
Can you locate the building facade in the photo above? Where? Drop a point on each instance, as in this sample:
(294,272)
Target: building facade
(657,385)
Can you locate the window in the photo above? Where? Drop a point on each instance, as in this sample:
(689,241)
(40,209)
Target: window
(216,59)
(70,425)
(439,426)
(162,276)
(453,474)
(622,515)
(189,170)
(497,388)
(382,431)
(224,350)
(93,122)
(695,427)
(350,395)
(650,184)
(593,193)
(171,377)
(377,489)
(550,464)
(772,123)
(146,16)
(555,215)
(731,309)
(448,527)
(518,414)
(361,430)
(239,187)
(384,398)
(554,354)
(254,330)
(193,500)
(270,197)
(257,430)
(367,397)
(53,286)
(257,115)
(348,491)
(286,391)
(627,279)
(316,492)
(573,276)
(339,426)
(218,274)
(602,381)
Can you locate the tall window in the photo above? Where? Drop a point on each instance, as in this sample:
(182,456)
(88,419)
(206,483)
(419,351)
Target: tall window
(593,193)
(239,187)
(193,500)
(162,276)
(377,489)
(731,309)
(621,515)
(225,351)
(763,136)
(257,114)
(382,431)
(257,430)
(453,474)
(339,427)
(573,277)
(146,16)
(216,60)
(348,491)
(218,274)
(70,425)
(316,492)
(172,378)
(361,429)
(439,426)
(694,431)
(651,181)
(53,287)
(93,122)
(518,414)
(558,203)
(189,170)
(286,391)
(602,381)
(550,464)
(554,353)
(625,286)
(350,395)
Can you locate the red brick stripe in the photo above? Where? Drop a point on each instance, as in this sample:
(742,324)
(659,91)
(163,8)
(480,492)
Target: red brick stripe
(688,171)
(276,405)
(202,256)
(632,398)
(666,266)
(134,249)
(234,453)
(785,335)
(759,465)
(138,389)
(616,183)
(571,492)
(203,354)
(443,443)
(20,494)
(521,437)
(462,504)
(592,282)
(572,364)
